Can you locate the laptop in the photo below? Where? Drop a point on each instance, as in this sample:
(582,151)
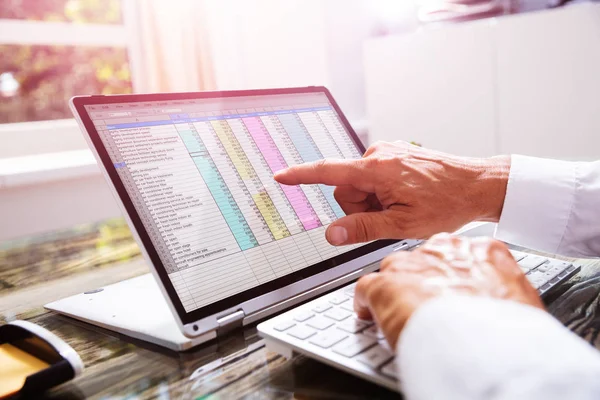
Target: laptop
(227,245)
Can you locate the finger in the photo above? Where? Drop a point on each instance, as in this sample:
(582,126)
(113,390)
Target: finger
(351,199)
(374,203)
(328,172)
(442,238)
(396,259)
(483,248)
(361,306)
(437,244)
(349,194)
(363,227)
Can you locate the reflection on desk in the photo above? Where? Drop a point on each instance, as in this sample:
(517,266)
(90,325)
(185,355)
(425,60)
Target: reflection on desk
(38,270)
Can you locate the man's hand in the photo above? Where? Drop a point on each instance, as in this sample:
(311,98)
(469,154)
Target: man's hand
(444,265)
(398,190)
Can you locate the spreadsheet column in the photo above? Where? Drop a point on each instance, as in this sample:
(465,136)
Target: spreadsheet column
(319,133)
(297,199)
(261,167)
(251,179)
(309,152)
(218,188)
(292,157)
(178,200)
(231,181)
(313,195)
(339,135)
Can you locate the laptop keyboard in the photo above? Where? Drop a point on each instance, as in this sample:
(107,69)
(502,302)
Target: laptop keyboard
(330,324)
(543,273)
(327,328)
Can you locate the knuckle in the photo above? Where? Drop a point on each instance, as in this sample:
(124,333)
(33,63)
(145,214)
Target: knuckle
(319,164)
(377,145)
(337,195)
(377,285)
(362,229)
(496,244)
(365,282)
(394,261)
(440,237)
(371,162)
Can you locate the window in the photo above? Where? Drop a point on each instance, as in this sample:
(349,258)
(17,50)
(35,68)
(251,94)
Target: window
(55,49)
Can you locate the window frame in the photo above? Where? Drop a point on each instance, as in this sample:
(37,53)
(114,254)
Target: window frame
(26,138)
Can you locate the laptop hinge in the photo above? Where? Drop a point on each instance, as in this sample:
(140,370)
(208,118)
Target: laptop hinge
(230,322)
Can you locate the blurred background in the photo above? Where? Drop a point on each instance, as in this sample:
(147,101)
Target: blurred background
(472,77)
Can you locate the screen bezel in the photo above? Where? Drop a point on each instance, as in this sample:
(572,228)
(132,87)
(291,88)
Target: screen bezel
(79,104)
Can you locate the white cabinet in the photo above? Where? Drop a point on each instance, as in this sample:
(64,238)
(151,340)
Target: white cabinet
(434,87)
(526,84)
(548,83)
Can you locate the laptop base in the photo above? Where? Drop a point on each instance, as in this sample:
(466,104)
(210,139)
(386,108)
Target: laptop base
(135,308)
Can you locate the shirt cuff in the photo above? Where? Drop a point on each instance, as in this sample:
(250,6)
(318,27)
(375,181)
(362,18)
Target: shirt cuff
(469,347)
(539,198)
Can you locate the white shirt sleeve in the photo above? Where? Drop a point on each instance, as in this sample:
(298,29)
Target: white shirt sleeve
(457,347)
(552,206)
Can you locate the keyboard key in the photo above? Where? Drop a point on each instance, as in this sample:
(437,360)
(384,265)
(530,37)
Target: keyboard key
(543,268)
(556,267)
(518,256)
(348,306)
(537,279)
(338,314)
(374,332)
(559,264)
(329,338)
(321,307)
(284,326)
(349,290)
(563,274)
(525,270)
(319,323)
(389,369)
(531,261)
(301,332)
(304,316)
(338,299)
(375,357)
(354,325)
(354,345)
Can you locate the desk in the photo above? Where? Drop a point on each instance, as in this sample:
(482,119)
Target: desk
(35,271)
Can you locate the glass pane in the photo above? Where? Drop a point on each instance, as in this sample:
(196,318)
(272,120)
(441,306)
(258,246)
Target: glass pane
(79,11)
(36,82)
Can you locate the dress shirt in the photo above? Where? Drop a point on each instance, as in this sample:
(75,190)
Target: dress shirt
(464,347)
(552,206)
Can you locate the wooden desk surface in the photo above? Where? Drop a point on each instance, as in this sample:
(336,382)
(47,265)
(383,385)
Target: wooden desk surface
(38,270)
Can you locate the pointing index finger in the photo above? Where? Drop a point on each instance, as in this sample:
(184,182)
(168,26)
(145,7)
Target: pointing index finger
(328,172)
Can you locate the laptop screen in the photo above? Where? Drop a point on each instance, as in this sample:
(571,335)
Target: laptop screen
(199,173)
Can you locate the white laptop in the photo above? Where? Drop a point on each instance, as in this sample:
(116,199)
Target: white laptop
(227,245)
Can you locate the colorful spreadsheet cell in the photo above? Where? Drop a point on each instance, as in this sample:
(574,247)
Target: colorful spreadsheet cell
(276,162)
(219,191)
(244,168)
(226,203)
(309,152)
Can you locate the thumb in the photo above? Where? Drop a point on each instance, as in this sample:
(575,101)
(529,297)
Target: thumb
(363,227)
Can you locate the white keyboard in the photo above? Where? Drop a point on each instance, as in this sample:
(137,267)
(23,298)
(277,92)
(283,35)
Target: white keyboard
(328,330)
(544,273)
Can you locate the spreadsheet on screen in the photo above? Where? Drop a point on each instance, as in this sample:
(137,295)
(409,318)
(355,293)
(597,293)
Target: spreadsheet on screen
(200,174)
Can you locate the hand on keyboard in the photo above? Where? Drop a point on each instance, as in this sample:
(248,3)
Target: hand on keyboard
(444,265)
